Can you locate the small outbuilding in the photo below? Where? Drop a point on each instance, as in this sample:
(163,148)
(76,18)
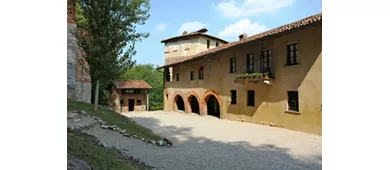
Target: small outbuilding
(129,95)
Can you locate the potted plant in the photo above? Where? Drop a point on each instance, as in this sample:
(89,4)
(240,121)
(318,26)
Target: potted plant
(265,75)
(259,75)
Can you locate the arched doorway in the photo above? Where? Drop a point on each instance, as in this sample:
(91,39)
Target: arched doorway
(213,106)
(179,103)
(194,104)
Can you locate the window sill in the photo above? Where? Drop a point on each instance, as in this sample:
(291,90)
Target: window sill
(292,65)
(292,112)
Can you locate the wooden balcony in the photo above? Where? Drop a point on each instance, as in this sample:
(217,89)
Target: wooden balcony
(254,78)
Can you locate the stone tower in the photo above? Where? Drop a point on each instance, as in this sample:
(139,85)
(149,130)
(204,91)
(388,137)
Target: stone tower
(79,82)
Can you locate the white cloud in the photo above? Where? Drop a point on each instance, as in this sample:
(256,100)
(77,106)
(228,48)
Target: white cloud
(229,9)
(191,26)
(240,27)
(161,27)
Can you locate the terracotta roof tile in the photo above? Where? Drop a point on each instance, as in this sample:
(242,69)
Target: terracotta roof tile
(303,22)
(132,84)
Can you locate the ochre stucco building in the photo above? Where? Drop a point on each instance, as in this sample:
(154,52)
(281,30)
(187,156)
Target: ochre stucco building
(204,74)
(130,95)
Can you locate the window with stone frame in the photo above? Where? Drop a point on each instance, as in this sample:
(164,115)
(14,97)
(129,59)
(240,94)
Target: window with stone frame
(251,98)
(293,101)
(233,65)
(233,95)
(266,60)
(192,75)
(201,74)
(292,56)
(250,63)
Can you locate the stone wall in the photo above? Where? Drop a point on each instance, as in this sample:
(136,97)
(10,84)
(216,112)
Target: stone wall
(71,62)
(78,81)
(83,92)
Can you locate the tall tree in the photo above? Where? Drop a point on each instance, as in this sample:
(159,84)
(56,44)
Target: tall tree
(108,37)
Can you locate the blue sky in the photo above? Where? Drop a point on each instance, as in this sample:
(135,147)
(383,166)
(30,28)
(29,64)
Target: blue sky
(223,18)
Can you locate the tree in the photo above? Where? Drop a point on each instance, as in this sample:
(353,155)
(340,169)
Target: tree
(108,29)
(153,77)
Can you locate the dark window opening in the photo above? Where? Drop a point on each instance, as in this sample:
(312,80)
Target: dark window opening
(250,63)
(131,91)
(293,102)
(191,75)
(233,65)
(122,102)
(266,59)
(292,54)
(138,102)
(251,98)
(233,96)
(201,73)
(216,44)
(177,77)
(208,44)
(167,75)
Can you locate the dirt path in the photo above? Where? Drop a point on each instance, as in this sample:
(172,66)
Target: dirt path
(209,143)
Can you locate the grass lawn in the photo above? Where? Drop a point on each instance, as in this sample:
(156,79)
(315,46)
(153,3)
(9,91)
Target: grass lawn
(113,118)
(86,148)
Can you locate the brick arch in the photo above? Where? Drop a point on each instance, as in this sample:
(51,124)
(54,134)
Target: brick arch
(206,95)
(175,97)
(189,94)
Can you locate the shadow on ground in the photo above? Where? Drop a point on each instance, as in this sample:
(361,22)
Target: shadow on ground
(204,153)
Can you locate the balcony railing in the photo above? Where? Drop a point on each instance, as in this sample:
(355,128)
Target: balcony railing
(254,78)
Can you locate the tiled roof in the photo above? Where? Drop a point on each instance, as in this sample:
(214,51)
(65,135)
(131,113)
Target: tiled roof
(303,22)
(132,84)
(200,32)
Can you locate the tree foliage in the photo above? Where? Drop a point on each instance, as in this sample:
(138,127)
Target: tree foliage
(108,36)
(153,77)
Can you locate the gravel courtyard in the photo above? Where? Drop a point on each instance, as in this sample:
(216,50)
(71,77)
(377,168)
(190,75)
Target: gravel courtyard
(207,143)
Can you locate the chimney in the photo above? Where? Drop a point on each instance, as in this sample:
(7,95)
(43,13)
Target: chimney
(242,36)
(203,30)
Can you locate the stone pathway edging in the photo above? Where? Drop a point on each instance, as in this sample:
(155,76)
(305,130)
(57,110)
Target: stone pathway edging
(103,124)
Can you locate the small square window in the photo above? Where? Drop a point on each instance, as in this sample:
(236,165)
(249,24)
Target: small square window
(122,102)
(251,98)
(138,102)
(233,96)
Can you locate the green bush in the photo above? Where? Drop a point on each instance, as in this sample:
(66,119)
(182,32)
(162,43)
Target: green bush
(155,108)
